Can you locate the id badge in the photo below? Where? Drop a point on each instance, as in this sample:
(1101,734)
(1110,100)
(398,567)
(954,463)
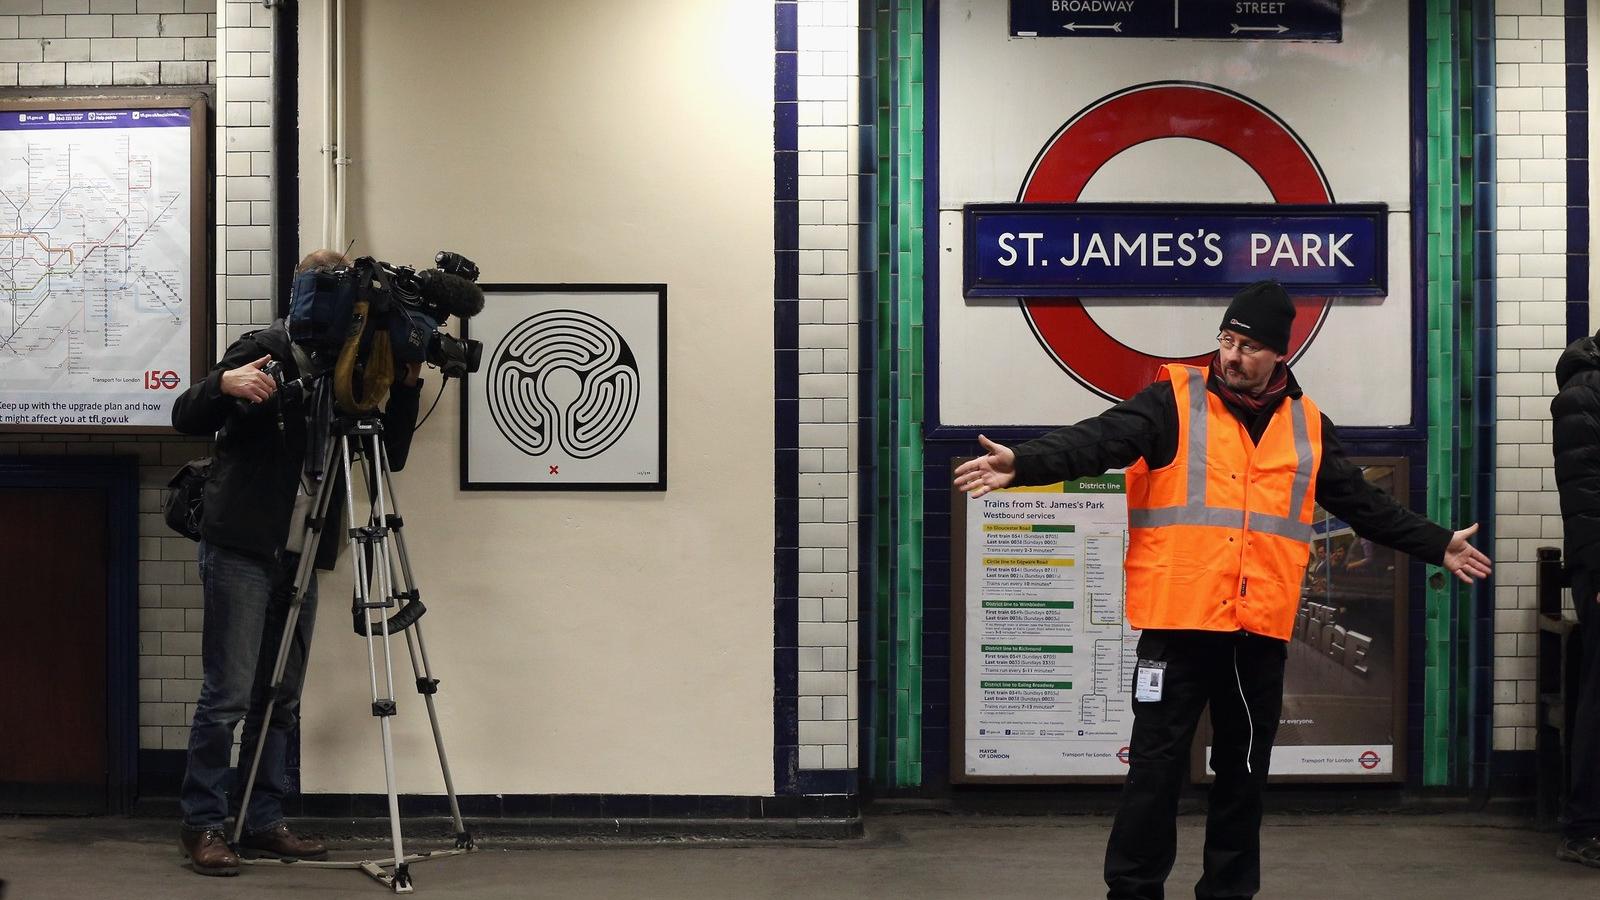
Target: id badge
(1148,680)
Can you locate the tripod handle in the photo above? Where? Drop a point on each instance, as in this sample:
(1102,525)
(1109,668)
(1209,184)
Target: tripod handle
(400,621)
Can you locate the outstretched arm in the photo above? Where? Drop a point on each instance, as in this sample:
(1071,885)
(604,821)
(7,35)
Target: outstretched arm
(1373,513)
(1143,426)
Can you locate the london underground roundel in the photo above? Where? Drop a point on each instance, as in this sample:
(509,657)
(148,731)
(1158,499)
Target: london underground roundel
(1128,118)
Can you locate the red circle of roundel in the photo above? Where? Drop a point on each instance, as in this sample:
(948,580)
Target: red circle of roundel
(1369,760)
(1125,119)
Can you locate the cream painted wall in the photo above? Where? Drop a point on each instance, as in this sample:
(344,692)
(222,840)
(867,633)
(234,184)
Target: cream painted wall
(587,642)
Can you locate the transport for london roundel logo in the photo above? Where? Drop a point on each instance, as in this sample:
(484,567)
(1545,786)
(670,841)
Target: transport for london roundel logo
(1125,119)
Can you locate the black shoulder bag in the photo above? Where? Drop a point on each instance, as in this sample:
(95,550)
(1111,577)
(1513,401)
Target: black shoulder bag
(186,497)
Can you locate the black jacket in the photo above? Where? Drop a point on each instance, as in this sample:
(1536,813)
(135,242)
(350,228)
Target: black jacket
(1146,426)
(1576,441)
(249,496)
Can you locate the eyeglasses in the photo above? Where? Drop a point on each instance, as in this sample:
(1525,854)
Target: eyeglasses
(1227,342)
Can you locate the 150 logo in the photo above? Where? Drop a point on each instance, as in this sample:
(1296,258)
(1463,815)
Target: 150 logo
(157,380)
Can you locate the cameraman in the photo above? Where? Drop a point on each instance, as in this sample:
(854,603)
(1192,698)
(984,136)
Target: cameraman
(247,577)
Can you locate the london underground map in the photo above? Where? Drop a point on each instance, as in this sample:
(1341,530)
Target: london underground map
(95,265)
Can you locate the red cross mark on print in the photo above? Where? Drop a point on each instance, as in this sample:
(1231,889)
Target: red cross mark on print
(1136,115)
(555,470)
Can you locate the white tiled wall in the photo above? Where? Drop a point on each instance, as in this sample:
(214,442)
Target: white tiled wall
(1531,331)
(144,43)
(90,43)
(828,115)
(244,168)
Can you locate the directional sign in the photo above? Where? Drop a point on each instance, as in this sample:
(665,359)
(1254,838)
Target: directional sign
(1172,250)
(1259,20)
(1092,18)
(1252,20)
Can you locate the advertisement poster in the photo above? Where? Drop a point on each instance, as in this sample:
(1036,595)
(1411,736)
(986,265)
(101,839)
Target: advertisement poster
(1043,685)
(1342,717)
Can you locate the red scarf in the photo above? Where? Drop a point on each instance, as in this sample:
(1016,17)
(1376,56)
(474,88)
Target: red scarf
(1276,386)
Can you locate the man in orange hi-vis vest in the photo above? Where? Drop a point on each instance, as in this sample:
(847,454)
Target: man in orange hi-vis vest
(1225,464)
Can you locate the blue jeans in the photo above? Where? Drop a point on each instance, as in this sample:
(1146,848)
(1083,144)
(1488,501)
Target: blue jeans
(247,604)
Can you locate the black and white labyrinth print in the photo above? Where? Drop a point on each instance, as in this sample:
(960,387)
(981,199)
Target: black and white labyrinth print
(571,392)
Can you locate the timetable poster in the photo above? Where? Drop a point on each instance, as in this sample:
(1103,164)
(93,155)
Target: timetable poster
(1048,660)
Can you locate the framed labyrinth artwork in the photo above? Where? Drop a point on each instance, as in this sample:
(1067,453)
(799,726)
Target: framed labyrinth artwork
(571,394)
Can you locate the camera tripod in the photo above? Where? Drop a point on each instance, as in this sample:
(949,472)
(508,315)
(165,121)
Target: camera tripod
(378,548)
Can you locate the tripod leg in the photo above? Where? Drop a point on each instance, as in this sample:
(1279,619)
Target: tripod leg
(304,572)
(383,705)
(417,649)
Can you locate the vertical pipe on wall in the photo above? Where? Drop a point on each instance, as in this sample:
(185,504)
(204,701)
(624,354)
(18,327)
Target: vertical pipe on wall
(341,157)
(329,148)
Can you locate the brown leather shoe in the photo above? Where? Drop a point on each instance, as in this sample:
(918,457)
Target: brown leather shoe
(208,852)
(281,843)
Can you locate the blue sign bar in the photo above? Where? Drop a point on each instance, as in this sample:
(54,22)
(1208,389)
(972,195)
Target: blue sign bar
(1093,18)
(71,119)
(1244,20)
(1262,20)
(1173,250)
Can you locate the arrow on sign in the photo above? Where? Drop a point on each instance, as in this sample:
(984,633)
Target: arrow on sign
(1278,28)
(1074,26)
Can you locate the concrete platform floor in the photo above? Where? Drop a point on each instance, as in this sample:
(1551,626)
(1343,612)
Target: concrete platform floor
(1320,857)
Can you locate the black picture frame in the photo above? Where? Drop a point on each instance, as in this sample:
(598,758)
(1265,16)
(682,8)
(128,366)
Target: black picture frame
(487,462)
(161,386)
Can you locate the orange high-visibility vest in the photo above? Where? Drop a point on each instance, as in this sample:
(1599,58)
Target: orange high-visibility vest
(1218,538)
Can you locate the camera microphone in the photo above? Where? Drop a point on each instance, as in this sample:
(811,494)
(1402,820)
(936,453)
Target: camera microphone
(452,294)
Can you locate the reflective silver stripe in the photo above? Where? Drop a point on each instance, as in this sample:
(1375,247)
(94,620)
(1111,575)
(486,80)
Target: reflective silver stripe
(1197,438)
(1278,525)
(1185,515)
(1302,450)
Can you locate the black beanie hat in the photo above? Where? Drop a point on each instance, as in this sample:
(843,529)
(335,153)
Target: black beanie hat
(1263,313)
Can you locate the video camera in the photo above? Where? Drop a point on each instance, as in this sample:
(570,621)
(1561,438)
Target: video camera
(370,304)
(430,297)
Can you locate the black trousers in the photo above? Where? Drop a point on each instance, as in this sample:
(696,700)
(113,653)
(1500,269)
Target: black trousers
(1241,676)
(1582,815)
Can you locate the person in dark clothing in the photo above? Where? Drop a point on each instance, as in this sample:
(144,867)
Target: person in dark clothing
(247,578)
(1576,441)
(1226,464)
